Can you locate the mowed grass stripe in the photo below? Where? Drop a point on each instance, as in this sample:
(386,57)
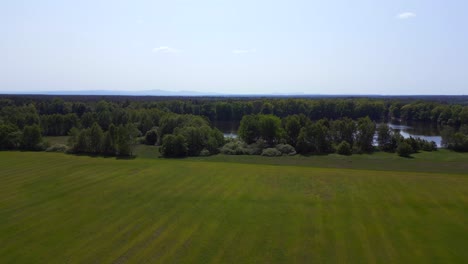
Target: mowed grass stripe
(190,227)
(146,240)
(161,228)
(136,211)
(88,210)
(44,214)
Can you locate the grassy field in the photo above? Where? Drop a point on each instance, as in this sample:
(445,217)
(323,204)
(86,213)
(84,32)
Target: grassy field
(57,208)
(442,161)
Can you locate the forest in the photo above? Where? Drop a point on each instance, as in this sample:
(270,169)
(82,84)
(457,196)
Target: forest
(184,126)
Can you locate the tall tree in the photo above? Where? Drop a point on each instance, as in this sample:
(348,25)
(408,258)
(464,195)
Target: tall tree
(314,138)
(249,129)
(174,146)
(95,138)
(31,137)
(364,135)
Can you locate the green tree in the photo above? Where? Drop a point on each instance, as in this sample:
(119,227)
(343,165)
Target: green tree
(10,136)
(267,108)
(464,116)
(108,145)
(343,130)
(223,111)
(270,128)
(249,129)
(214,141)
(174,146)
(385,138)
(195,140)
(31,138)
(83,144)
(125,139)
(292,127)
(314,138)
(364,135)
(151,136)
(96,136)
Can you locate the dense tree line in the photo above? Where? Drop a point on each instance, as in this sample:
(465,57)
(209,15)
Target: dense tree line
(21,110)
(307,136)
(310,126)
(187,135)
(456,140)
(117,141)
(343,136)
(28,138)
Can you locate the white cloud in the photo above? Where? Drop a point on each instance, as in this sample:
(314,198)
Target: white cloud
(242,51)
(140,21)
(165,49)
(406,15)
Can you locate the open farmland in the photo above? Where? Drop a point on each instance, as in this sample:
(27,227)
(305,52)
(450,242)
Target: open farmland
(57,208)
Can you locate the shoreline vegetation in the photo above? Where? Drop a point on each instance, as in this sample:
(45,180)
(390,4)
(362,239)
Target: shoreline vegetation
(268,126)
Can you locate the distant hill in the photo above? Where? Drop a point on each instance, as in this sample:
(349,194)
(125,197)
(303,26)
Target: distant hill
(155,92)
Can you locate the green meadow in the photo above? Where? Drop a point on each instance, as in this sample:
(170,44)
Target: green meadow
(57,208)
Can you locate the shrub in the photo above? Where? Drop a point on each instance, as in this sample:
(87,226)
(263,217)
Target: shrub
(271,152)
(57,148)
(235,148)
(429,146)
(205,153)
(344,148)
(404,149)
(286,149)
(257,147)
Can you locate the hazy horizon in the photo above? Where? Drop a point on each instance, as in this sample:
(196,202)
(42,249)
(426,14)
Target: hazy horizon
(235,47)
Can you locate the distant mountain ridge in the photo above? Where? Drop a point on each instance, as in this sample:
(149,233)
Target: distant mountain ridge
(155,92)
(461,99)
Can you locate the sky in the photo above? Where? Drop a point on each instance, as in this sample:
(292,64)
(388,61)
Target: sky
(236,47)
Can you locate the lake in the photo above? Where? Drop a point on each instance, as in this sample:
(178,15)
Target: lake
(421,130)
(429,132)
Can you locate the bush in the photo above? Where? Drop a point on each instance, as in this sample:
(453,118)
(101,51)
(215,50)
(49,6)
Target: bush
(257,147)
(271,152)
(286,149)
(57,148)
(235,148)
(429,146)
(205,153)
(404,149)
(344,148)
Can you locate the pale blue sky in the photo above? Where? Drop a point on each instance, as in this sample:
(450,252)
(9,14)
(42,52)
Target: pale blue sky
(312,47)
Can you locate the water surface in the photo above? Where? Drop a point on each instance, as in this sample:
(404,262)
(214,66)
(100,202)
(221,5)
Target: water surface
(420,130)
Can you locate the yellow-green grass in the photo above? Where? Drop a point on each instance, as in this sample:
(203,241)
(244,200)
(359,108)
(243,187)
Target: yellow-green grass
(57,208)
